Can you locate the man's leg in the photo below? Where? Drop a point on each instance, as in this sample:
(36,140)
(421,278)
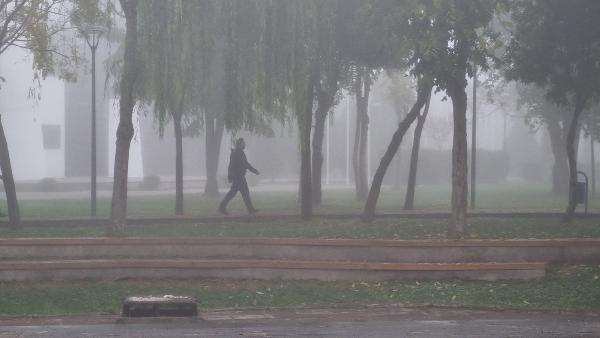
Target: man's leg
(246,196)
(230,194)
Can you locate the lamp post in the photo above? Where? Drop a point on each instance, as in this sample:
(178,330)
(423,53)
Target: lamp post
(92,37)
(474,139)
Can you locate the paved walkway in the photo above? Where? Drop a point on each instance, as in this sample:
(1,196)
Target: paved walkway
(374,321)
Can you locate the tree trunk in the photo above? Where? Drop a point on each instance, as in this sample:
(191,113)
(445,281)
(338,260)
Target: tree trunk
(305,165)
(325,99)
(363,87)
(317,154)
(424,87)
(409,200)
(178,164)
(560,169)
(362,151)
(355,147)
(118,211)
(460,185)
(14,215)
(306,204)
(214,136)
(572,134)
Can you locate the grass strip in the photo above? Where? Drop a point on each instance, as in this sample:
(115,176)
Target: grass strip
(564,288)
(478,228)
(498,197)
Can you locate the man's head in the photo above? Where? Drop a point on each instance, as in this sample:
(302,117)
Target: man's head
(240,143)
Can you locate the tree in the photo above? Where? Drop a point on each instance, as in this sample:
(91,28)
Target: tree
(409,199)
(403,51)
(401,94)
(292,47)
(360,41)
(237,91)
(362,90)
(216,46)
(118,210)
(555,46)
(539,112)
(207,76)
(470,44)
(166,69)
(334,75)
(26,24)
(444,40)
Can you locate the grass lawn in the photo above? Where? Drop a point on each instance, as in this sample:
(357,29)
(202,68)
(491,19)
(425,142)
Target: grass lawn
(490,197)
(484,228)
(564,288)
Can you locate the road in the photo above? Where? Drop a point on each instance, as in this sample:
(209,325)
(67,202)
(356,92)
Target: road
(372,321)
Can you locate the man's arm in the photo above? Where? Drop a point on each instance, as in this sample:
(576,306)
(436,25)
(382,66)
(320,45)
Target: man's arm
(249,166)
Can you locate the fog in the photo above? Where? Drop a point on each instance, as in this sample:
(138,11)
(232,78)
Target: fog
(48,121)
(28,107)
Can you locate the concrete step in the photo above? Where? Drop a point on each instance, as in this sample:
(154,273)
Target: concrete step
(394,251)
(112,269)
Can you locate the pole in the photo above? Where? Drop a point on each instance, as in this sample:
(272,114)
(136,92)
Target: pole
(327,130)
(368,145)
(474,139)
(93,165)
(593,164)
(504,133)
(348,140)
(92,37)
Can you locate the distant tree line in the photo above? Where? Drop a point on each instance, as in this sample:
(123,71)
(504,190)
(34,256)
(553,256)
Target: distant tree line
(231,65)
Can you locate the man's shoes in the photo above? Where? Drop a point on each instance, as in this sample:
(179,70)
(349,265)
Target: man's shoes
(223,211)
(253,211)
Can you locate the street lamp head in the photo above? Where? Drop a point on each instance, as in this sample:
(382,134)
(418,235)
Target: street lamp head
(92,35)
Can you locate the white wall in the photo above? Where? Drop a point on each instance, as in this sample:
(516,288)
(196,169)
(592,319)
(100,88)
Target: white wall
(24,114)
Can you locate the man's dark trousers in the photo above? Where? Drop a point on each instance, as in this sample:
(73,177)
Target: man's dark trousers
(238,184)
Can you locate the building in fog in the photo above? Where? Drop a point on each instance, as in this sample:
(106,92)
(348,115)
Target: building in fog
(47,123)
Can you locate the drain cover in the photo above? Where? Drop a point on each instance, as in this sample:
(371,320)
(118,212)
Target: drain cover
(160,306)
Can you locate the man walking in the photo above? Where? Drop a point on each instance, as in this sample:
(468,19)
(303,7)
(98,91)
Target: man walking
(237,177)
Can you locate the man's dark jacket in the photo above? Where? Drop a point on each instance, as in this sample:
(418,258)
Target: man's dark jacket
(238,164)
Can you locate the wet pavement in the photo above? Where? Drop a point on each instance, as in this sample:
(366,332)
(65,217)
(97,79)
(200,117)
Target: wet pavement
(370,321)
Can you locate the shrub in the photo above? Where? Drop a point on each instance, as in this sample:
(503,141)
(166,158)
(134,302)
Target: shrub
(47,184)
(150,183)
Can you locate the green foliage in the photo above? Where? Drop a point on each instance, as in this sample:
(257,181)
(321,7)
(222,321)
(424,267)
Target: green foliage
(40,27)
(167,58)
(401,92)
(92,13)
(555,45)
(206,59)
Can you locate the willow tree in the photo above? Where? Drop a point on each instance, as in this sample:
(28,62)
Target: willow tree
(335,73)
(127,101)
(166,70)
(232,86)
(291,46)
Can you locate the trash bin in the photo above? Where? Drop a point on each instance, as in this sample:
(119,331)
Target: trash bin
(581,192)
